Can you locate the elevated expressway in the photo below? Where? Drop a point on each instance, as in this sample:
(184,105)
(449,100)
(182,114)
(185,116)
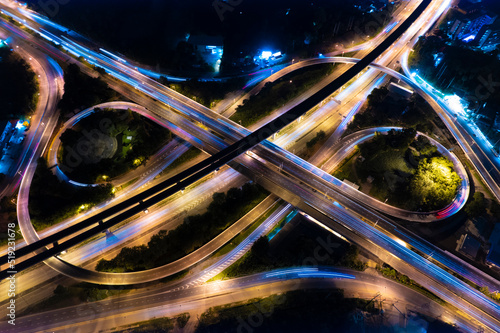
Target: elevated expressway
(332,214)
(149,275)
(480,157)
(217,125)
(278,162)
(387,209)
(339,213)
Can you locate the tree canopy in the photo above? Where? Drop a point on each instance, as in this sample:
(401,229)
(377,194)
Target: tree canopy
(435,184)
(477,206)
(18,86)
(83,91)
(167,246)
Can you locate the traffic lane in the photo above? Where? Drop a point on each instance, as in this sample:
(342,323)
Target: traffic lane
(363,285)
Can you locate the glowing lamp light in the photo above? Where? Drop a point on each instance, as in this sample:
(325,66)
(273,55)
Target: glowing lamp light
(469,38)
(19,124)
(444,171)
(266,55)
(455,104)
(137,161)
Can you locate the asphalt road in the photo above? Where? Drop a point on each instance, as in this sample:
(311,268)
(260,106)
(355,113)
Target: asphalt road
(112,313)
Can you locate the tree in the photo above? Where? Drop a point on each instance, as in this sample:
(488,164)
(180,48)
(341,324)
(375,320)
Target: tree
(495,209)
(477,206)
(18,86)
(319,136)
(6,204)
(81,90)
(70,137)
(197,230)
(404,279)
(261,247)
(183,319)
(377,96)
(100,70)
(435,184)
(60,290)
(401,139)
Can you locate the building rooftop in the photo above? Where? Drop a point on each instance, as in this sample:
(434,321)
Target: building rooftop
(469,246)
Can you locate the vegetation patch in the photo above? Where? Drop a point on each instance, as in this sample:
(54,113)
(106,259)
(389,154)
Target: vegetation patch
(278,93)
(299,251)
(293,311)
(479,206)
(197,230)
(189,155)
(245,233)
(385,108)
(51,201)
(154,325)
(109,143)
(205,92)
(406,171)
(391,273)
(463,71)
(313,145)
(82,91)
(463,66)
(495,295)
(18,86)
(163,325)
(8,214)
(347,169)
(434,184)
